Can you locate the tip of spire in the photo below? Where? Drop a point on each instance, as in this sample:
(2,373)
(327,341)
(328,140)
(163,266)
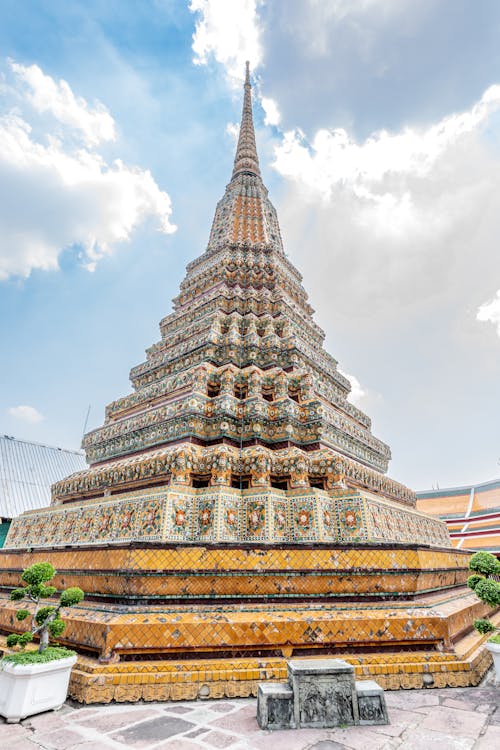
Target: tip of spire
(246,159)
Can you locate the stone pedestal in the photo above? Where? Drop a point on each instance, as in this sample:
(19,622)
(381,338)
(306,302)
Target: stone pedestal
(324,694)
(275,706)
(371,703)
(320,693)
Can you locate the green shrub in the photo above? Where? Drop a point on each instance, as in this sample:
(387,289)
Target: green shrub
(473,580)
(45,620)
(484,626)
(51,653)
(488,591)
(70,597)
(485,563)
(14,639)
(38,573)
(57,627)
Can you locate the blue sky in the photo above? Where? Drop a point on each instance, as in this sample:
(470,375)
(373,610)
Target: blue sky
(378,130)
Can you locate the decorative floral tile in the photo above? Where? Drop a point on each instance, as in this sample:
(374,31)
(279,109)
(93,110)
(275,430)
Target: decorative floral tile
(351,521)
(327,516)
(84,526)
(304,519)
(103,523)
(126,520)
(281,520)
(230,517)
(255,519)
(206,517)
(70,527)
(180,517)
(56,522)
(150,518)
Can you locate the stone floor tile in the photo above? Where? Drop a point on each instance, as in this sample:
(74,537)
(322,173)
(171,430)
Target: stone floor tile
(10,731)
(197,732)
(359,738)
(61,739)
(427,739)
(288,739)
(223,707)
(486,708)
(22,744)
(448,719)
(219,739)
(108,722)
(409,701)
(475,695)
(243,721)
(203,715)
(399,722)
(490,740)
(48,721)
(423,710)
(178,744)
(81,713)
(454,721)
(100,744)
(464,705)
(152,731)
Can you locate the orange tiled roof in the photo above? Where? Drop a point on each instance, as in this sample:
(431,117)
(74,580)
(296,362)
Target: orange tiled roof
(472,514)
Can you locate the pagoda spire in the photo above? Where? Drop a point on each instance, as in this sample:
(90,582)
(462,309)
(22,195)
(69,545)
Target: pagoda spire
(246,159)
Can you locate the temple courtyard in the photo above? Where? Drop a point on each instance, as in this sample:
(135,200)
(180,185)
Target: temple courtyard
(449,719)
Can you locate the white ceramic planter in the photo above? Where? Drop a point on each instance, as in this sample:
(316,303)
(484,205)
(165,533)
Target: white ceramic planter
(27,689)
(494,649)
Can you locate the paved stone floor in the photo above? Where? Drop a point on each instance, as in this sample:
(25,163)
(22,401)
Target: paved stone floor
(451,719)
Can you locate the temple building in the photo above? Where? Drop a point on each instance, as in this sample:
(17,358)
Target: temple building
(471,513)
(236,510)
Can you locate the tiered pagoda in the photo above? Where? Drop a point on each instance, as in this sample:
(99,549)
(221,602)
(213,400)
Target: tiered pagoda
(236,510)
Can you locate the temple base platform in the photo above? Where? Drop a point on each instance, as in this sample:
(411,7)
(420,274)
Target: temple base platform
(230,677)
(172,622)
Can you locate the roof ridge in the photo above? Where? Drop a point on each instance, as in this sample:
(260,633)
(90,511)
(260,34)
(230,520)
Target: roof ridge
(42,445)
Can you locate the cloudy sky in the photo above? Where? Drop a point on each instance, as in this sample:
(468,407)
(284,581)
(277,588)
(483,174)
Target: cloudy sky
(378,127)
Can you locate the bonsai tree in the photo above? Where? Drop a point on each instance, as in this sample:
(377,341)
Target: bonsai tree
(486,569)
(46,621)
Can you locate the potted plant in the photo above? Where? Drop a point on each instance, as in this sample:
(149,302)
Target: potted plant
(35,681)
(484,583)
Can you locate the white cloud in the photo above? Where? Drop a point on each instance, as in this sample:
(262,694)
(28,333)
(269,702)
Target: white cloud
(26,414)
(233,130)
(357,393)
(312,23)
(343,8)
(271,111)
(57,98)
(364,398)
(397,239)
(228,31)
(59,193)
(334,158)
(407,216)
(490,312)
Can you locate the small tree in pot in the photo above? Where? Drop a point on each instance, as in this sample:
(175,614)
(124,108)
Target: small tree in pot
(22,672)
(484,583)
(45,621)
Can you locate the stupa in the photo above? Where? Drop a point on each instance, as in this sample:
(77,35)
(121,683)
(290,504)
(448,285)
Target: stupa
(236,510)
